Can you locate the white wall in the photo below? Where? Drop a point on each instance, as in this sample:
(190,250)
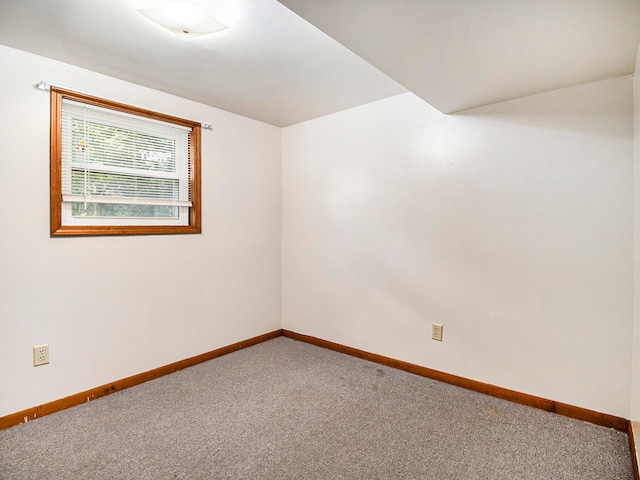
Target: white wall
(511,225)
(111,307)
(635,380)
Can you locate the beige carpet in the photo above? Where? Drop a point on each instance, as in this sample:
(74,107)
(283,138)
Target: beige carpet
(288,410)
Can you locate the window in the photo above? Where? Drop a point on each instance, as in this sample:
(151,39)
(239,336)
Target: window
(117,169)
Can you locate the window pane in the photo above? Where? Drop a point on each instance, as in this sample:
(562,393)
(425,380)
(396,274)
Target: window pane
(121,210)
(118,147)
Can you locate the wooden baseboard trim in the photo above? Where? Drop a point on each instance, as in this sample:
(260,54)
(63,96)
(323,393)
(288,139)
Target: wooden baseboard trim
(89,395)
(634,451)
(579,413)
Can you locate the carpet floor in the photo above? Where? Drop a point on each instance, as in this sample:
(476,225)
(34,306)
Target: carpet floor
(284,409)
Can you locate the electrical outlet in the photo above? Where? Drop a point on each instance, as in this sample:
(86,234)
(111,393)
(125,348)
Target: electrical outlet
(436,332)
(40,355)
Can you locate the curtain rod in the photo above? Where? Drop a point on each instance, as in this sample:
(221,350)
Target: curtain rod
(42,85)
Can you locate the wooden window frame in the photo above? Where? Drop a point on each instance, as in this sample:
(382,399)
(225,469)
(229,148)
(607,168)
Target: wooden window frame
(56,204)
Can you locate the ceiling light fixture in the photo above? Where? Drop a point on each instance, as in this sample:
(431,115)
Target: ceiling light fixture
(184,18)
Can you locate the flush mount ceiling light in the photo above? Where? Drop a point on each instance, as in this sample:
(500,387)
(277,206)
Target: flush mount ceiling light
(184,18)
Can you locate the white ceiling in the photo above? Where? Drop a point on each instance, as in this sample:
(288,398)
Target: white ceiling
(276,67)
(270,64)
(459,54)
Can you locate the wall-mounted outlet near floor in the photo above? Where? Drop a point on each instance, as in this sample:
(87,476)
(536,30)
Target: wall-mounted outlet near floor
(436,332)
(40,355)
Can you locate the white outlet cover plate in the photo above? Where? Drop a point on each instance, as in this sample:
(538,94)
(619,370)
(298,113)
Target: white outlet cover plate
(40,355)
(436,332)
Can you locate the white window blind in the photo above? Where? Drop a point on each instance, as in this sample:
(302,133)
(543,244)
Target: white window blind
(119,158)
